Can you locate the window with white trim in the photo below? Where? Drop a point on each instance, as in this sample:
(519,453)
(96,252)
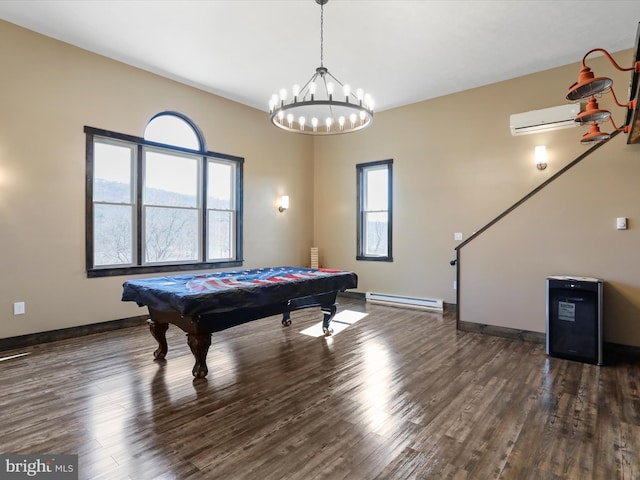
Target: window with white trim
(161,202)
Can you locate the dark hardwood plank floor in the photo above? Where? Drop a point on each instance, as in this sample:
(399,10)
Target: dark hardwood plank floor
(398,395)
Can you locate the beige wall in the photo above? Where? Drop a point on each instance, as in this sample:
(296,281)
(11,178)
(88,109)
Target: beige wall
(456,167)
(48,92)
(567,229)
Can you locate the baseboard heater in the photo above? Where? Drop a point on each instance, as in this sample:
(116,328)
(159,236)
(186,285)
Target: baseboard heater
(403,301)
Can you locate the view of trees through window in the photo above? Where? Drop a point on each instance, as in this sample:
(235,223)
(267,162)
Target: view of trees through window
(376,201)
(113,204)
(170,207)
(374,229)
(151,205)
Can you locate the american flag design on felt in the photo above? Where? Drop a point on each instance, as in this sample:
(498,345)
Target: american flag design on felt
(250,278)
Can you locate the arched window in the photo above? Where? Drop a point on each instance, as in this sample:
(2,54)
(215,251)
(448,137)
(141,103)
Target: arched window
(161,202)
(174,129)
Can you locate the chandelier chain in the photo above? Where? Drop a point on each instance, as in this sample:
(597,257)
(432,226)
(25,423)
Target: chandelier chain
(322,35)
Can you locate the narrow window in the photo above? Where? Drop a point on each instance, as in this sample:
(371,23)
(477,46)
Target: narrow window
(374,210)
(113,204)
(221,210)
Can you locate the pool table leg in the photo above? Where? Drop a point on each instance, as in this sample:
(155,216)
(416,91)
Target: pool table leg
(286,319)
(329,312)
(159,331)
(199,344)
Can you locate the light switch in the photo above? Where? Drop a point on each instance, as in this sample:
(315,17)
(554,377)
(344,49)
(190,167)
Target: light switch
(457,236)
(18,308)
(621,223)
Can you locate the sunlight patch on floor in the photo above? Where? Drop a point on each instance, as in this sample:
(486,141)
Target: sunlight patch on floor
(340,322)
(2,359)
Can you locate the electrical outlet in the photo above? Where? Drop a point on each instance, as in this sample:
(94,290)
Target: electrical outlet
(18,308)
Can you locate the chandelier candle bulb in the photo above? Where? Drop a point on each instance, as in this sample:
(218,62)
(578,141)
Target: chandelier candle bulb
(369,102)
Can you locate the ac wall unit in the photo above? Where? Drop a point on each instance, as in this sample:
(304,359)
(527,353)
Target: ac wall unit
(545,120)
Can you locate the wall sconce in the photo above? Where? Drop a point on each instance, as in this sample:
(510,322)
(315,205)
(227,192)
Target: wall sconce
(594,135)
(541,157)
(284,203)
(593,114)
(587,86)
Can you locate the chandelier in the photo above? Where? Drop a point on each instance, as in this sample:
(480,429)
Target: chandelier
(324,105)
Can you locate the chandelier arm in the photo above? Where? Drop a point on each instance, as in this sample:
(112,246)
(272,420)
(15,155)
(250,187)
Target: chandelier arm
(304,90)
(326,89)
(339,82)
(636,67)
(324,80)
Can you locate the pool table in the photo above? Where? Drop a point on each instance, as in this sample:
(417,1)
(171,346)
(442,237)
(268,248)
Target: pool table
(201,304)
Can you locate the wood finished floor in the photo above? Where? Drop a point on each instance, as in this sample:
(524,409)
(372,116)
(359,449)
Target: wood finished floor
(399,395)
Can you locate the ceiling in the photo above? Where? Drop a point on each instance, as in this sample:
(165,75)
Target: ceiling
(401,51)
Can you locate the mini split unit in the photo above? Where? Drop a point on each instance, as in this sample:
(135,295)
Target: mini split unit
(545,120)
